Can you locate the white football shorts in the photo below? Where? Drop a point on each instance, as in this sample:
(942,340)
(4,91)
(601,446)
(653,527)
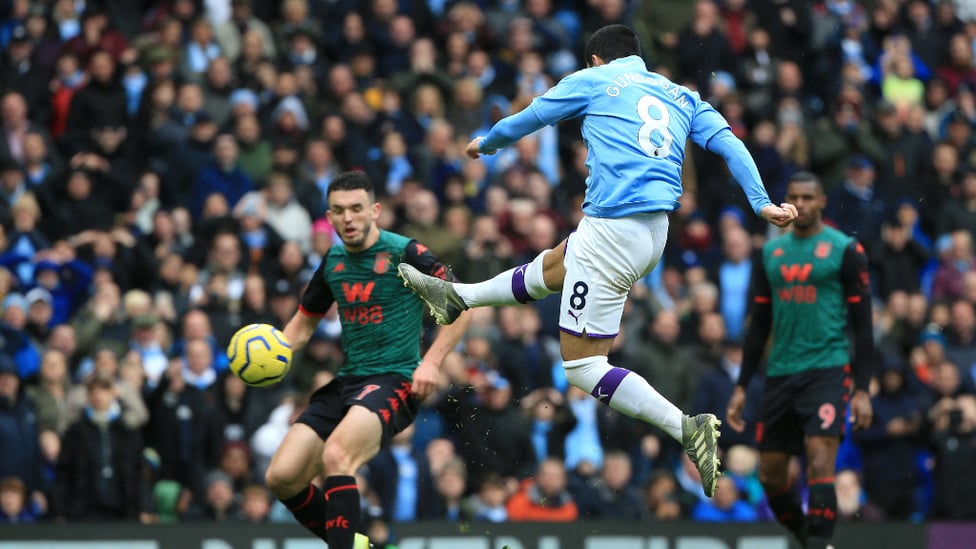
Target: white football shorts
(604,258)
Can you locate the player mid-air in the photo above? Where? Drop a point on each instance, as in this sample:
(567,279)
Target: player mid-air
(635,125)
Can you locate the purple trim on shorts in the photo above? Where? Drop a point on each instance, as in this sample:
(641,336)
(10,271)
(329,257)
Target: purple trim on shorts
(518,284)
(581,334)
(608,384)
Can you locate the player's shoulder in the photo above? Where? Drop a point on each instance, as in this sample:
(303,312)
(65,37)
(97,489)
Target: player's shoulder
(837,236)
(390,239)
(777,243)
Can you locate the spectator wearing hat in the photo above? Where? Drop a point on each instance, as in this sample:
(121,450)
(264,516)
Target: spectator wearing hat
(897,259)
(19,454)
(855,206)
(40,313)
(99,472)
(22,73)
(499,441)
(218,503)
(187,159)
(18,344)
(888,447)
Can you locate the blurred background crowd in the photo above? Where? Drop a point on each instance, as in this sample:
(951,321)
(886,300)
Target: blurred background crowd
(163,167)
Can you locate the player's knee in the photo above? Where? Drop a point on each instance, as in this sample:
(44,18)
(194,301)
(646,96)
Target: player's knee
(337,459)
(772,479)
(821,465)
(279,480)
(586,372)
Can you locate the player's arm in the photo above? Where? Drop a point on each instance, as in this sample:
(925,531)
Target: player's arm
(567,99)
(315,303)
(757,334)
(427,374)
(760,324)
(857,291)
(711,131)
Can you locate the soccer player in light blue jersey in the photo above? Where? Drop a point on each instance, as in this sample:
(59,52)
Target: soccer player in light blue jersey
(635,124)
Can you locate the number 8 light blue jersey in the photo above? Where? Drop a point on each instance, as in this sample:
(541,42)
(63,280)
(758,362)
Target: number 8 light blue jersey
(635,126)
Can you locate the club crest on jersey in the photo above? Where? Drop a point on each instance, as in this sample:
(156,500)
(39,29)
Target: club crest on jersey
(822,250)
(382,263)
(777,252)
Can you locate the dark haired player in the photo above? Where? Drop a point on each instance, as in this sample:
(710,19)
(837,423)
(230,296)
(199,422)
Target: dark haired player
(383,378)
(635,124)
(810,287)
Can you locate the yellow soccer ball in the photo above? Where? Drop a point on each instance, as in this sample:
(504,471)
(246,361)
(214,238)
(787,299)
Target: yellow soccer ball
(259,354)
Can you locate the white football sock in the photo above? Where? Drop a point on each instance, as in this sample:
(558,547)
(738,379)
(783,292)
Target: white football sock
(624,391)
(519,285)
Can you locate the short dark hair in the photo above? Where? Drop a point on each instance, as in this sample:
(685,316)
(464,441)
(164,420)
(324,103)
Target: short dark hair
(613,42)
(352,181)
(806,177)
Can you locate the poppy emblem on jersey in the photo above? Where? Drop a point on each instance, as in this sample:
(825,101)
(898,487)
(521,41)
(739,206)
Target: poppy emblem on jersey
(822,250)
(777,252)
(382,263)
(340,266)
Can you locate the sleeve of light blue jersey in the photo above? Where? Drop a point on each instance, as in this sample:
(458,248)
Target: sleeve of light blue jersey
(710,131)
(567,99)
(742,166)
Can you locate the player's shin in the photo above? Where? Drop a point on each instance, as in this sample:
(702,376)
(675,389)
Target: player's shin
(342,515)
(522,284)
(788,510)
(822,512)
(308,507)
(624,391)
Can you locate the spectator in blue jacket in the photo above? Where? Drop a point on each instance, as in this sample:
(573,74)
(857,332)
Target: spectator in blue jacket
(223,176)
(725,506)
(19,453)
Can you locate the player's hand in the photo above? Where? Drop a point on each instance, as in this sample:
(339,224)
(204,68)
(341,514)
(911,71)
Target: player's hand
(733,415)
(474,148)
(425,379)
(781,215)
(861,411)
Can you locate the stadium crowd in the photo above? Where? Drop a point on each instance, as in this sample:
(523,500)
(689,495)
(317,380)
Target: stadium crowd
(162,178)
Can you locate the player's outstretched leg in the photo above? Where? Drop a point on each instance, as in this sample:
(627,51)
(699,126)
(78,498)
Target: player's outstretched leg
(699,436)
(444,302)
